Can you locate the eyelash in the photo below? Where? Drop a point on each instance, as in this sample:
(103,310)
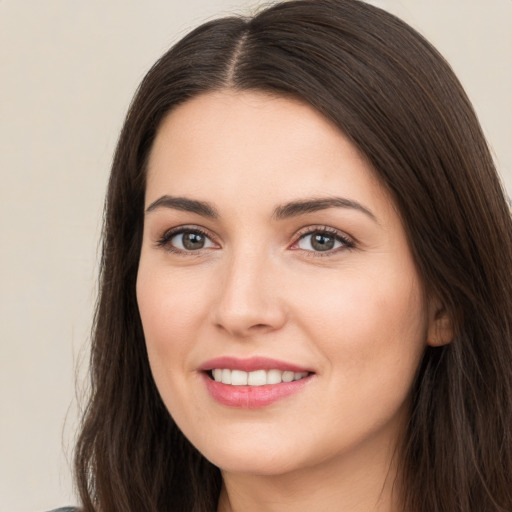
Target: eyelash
(346,242)
(164,240)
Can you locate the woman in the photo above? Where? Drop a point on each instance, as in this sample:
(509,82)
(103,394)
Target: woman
(305,294)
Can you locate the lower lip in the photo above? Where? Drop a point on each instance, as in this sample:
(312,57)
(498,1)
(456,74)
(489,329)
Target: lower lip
(252,397)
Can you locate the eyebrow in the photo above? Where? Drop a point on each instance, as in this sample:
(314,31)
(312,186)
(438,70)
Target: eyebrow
(285,211)
(184,204)
(301,207)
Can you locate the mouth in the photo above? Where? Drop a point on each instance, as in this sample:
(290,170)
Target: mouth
(255,378)
(253,383)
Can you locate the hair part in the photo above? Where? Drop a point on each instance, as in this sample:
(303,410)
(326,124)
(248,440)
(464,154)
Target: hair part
(399,102)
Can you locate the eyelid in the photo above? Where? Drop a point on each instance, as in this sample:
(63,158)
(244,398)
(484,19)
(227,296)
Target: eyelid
(347,241)
(164,239)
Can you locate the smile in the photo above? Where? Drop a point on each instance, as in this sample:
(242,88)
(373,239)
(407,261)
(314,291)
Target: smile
(255,378)
(253,383)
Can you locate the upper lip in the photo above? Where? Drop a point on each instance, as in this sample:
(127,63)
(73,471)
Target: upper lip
(251,364)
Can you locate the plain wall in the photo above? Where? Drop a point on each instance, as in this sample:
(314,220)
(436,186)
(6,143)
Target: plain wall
(68,72)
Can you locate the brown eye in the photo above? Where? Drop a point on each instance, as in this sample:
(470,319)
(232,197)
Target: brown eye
(193,241)
(322,241)
(187,240)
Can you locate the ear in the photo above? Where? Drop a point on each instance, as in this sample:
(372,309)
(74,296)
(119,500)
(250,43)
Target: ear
(440,329)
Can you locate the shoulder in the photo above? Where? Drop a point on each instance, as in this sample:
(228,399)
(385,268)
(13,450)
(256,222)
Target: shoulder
(65,509)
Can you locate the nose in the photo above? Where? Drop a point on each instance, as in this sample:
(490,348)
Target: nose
(250,299)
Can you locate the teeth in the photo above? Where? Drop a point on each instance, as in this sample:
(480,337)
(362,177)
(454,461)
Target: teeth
(238,378)
(274,376)
(226,376)
(255,378)
(287,376)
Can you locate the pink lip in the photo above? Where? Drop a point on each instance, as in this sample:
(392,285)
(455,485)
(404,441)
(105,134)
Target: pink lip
(251,397)
(251,364)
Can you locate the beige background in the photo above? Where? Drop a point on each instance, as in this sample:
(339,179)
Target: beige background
(68,71)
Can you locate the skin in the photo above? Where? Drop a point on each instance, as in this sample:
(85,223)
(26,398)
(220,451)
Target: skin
(355,315)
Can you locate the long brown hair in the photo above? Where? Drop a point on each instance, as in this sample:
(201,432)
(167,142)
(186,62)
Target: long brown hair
(399,102)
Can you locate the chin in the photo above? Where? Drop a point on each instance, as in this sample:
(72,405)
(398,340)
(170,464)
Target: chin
(262,466)
(261,459)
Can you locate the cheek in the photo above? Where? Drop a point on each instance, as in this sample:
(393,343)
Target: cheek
(371,334)
(171,308)
(169,304)
(367,322)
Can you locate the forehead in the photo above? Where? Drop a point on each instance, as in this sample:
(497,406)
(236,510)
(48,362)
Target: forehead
(229,146)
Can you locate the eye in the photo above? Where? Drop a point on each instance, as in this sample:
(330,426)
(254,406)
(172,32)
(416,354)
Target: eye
(186,240)
(322,240)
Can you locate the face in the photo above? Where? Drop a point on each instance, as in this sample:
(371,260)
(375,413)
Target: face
(282,311)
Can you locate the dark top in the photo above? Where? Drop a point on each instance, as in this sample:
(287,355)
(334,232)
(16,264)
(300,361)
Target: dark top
(64,509)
